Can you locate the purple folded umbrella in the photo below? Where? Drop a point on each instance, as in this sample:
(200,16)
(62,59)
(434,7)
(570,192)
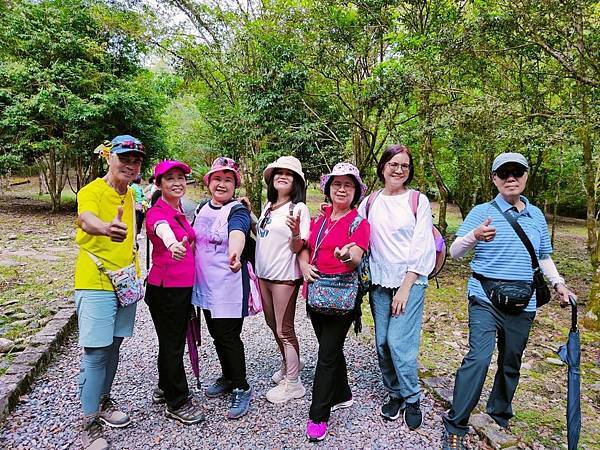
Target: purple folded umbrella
(193,339)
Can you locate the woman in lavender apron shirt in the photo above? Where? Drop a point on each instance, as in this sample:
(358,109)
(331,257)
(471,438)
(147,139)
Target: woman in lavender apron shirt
(222,281)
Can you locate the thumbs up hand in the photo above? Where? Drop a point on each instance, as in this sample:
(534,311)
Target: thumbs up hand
(485,232)
(178,249)
(344,253)
(234,262)
(293,222)
(116,230)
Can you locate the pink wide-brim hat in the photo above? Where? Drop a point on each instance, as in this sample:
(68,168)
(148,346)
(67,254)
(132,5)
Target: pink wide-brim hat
(164,166)
(224,163)
(344,169)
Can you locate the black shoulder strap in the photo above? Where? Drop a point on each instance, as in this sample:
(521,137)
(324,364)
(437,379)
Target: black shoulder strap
(521,233)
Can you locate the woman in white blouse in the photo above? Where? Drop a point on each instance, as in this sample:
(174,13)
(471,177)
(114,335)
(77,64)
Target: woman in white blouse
(281,232)
(402,256)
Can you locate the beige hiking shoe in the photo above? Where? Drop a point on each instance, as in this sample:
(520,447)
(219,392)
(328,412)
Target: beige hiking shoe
(286,390)
(280,374)
(91,435)
(111,415)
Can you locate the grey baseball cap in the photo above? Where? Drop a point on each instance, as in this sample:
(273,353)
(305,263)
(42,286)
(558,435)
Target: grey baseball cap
(504,158)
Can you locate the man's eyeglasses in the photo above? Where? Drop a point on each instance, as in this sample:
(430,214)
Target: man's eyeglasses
(395,166)
(128,159)
(504,172)
(132,145)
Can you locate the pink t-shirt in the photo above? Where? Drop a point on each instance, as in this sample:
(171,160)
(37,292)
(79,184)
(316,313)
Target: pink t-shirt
(336,234)
(165,270)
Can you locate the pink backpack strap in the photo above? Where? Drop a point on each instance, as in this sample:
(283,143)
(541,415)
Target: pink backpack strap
(370,199)
(414,201)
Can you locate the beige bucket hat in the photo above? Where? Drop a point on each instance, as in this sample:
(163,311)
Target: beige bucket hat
(284,162)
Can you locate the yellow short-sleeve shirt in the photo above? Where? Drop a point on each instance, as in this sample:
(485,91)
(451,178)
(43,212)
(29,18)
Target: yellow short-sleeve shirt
(103,201)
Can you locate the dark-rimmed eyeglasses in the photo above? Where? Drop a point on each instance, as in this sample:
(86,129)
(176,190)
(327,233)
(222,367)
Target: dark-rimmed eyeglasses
(395,166)
(504,172)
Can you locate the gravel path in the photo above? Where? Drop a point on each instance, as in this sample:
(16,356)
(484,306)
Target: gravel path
(48,417)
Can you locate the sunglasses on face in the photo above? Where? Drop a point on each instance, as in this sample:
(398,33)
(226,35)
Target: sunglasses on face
(504,172)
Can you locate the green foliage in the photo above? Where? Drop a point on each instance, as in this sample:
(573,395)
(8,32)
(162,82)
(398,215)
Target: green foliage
(70,77)
(9,163)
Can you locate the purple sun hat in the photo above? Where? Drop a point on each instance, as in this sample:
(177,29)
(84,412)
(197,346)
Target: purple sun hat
(344,169)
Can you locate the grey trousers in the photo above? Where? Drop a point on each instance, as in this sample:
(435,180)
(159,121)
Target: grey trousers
(486,323)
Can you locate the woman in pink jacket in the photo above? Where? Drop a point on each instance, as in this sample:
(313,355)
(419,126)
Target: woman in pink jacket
(169,290)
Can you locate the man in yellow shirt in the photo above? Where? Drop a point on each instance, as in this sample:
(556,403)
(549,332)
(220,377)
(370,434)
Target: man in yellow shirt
(106,222)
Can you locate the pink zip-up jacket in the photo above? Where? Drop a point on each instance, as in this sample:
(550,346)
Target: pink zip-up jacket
(165,270)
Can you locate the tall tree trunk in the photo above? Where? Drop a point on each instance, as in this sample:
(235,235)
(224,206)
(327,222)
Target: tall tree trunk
(54,168)
(427,121)
(43,186)
(252,175)
(556,196)
(588,167)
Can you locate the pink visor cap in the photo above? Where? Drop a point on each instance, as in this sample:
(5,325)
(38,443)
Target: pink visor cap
(224,163)
(164,166)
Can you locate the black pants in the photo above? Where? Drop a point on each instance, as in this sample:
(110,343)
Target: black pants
(330,385)
(230,348)
(486,322)
(170,310)
(139,220)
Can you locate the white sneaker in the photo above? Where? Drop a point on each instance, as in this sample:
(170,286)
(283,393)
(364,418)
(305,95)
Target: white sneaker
(285,391)
(280,374)
(343,405)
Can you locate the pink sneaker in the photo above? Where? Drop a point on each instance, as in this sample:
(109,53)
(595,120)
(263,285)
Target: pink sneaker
(316,431)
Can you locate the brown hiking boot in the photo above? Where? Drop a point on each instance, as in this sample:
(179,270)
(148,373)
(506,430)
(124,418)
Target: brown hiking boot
(111,416)
(91,435)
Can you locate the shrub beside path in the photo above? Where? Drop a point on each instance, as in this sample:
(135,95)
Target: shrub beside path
(49,416)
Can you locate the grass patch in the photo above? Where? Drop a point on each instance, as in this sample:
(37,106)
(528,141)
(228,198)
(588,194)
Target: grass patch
(527,425)
(7,359)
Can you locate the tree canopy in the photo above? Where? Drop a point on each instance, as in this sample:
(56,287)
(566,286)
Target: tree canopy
(457,81)
(70,77)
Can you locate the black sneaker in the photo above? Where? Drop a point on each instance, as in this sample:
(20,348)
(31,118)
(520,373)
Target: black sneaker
(158,396)
(413,418)
(391,409)
(218,388)
(452,441)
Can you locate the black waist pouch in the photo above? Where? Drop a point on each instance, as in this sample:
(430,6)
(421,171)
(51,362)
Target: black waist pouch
(508,296)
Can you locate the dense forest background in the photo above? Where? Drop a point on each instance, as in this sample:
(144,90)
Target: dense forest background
(457,81)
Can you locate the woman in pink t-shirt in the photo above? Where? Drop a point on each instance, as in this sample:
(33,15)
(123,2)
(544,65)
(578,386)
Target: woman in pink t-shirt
(336,243)
(169,290)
